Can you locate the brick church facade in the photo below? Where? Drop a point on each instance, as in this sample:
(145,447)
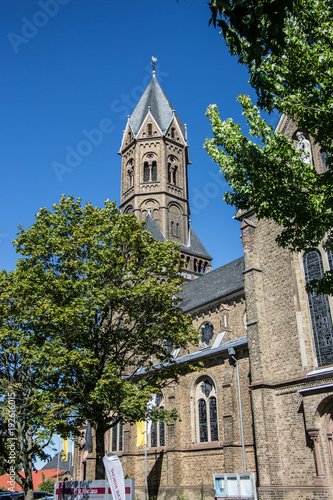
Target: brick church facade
(254,310)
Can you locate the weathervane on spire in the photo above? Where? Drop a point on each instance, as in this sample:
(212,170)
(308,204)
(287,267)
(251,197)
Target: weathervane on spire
(153,63)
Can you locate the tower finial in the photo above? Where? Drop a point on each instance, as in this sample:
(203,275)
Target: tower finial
(154,65)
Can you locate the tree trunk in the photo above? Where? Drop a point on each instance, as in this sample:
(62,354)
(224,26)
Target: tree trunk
(27,484)
(100,451)
(25,445)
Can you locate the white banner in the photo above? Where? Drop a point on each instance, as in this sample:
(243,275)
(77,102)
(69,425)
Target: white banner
(115,476)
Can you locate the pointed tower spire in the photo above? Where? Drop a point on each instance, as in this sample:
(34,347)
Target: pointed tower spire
(154,185)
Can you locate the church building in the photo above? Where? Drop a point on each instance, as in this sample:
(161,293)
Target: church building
(262,404)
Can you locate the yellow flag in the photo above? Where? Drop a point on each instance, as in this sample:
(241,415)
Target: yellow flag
(140,433)
(64,456)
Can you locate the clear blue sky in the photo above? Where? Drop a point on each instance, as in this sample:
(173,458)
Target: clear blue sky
(68,64)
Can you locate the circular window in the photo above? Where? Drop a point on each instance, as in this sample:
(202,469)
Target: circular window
(207,332)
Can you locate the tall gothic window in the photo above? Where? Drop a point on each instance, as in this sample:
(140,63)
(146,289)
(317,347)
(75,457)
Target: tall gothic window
(117,437)
(206,405)
(319,309)
(150,129)
(157,432)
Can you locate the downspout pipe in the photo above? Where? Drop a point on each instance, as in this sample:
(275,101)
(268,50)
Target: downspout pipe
(232,353)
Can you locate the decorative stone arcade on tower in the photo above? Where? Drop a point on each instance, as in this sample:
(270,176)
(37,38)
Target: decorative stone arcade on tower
(154,185)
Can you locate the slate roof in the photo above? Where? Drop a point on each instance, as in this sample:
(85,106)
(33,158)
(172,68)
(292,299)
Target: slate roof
(160,108)
(53,463)
(206,352)
(213,285)
(153,228)
(195,245)
(210,351)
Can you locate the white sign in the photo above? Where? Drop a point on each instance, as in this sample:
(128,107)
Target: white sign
(114,472)
(89,490)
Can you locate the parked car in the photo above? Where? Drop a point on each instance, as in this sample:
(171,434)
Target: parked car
(11,495)
(14,495)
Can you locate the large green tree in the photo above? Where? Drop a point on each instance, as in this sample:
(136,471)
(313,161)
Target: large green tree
(30,402)
(287,46)
(95,303)
(288,49)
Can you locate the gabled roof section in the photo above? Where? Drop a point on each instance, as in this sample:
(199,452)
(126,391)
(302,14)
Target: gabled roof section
(195,245)
(212,351)
(63,464)
(211,286)
(153,228)
(207,352)
(155,100)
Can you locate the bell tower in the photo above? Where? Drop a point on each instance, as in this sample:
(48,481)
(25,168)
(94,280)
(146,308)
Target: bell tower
(154,186)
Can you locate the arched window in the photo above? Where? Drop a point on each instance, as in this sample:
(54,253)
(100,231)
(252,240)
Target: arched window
(157,432)
(206,404)
(169,173)
(319,310)
(146,172)
(150,129)
(172,171)
(154,172)
(172,132)
(172,228)
(130,172)
(150,169)
(131,176)
(117,437)
(207,333)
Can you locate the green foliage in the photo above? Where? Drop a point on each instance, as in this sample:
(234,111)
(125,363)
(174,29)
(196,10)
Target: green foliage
(287,47)
(84,318)
(252,28)
(272,179)
(46,485)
